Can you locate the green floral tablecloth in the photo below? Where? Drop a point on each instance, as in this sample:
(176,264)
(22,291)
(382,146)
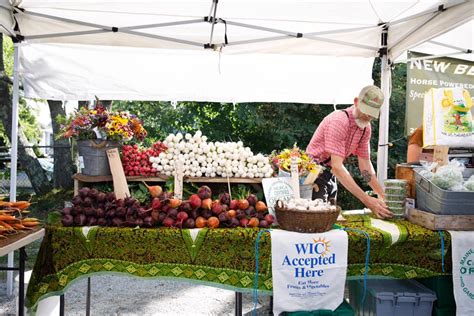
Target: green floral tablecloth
(219,257)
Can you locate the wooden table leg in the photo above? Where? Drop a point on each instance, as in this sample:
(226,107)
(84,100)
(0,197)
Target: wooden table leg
(21,286)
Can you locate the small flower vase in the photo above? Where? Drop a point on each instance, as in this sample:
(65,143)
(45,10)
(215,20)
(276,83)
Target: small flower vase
(93,160)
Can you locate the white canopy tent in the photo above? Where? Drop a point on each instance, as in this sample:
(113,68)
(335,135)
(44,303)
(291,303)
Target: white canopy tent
(224,51)
(457,43)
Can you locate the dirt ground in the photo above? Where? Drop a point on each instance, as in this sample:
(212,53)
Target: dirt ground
(121,295)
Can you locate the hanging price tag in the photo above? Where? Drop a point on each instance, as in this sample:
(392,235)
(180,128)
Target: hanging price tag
(295,177)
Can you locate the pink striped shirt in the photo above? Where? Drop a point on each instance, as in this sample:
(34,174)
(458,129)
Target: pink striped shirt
(339,135)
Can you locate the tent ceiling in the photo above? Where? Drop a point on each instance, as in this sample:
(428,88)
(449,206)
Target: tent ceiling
(454,43)
(292,30)
(340,28)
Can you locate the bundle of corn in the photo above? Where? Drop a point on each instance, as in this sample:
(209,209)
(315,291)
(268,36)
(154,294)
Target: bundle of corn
(13,218)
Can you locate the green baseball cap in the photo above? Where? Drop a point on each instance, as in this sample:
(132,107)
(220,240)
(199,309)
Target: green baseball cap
(371,100)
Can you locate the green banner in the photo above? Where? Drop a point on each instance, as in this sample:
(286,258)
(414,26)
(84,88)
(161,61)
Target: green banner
(424,74)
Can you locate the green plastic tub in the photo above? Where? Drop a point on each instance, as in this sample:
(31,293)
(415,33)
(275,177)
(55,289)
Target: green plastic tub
(443,287)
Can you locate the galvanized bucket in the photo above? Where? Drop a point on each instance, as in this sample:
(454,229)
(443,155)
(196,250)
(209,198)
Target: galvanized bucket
(93,159)
(306,191)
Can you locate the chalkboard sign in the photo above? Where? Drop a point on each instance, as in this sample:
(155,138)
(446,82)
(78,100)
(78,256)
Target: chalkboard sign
(277,189)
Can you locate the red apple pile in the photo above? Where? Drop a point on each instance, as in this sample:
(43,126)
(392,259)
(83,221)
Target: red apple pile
(136,161)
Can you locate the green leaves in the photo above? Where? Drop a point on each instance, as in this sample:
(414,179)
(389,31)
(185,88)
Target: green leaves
(140,192)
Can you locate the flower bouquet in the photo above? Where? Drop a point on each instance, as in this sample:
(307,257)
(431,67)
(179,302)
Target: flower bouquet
(307,168)
(98,123)
(97,130)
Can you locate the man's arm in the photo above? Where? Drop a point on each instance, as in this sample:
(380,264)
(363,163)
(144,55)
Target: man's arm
(368,174)
(377,206)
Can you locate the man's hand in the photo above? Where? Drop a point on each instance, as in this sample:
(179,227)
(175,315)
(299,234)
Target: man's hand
(378,207)
(368,174)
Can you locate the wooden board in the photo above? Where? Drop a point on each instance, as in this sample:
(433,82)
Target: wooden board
(441,222)
(440,155)
(93,179)
(20,239)
(223,180)
(118,175)
(406,172)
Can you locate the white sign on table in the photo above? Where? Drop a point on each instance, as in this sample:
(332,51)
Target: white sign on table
(462,245)
(309,270)
(277,189)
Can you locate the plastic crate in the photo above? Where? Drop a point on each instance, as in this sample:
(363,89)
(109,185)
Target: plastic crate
(345,309)
(443,287)
(391,298)
(432,198)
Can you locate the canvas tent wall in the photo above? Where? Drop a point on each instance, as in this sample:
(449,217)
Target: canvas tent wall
(218,51)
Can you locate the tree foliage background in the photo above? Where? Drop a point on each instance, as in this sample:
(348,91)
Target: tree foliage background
(27,116)
(270,126)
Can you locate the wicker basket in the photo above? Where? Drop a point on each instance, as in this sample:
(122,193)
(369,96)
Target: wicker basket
(306,221)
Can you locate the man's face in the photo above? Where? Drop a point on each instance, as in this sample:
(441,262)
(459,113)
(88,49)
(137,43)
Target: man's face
(362,120)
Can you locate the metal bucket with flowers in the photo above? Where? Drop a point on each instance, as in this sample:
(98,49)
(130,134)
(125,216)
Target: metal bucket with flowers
(97,130)
(308,169)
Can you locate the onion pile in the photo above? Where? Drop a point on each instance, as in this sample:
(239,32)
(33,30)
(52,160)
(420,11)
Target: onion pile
(210,159)
(317,205)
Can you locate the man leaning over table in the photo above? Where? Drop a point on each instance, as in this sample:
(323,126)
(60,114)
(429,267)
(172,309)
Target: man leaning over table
(344,133)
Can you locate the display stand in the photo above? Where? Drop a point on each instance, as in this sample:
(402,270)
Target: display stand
(81,179)
(19,242)
(441,222)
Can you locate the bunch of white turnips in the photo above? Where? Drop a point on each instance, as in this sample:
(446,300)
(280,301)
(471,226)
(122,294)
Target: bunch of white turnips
(317,205)
(201,158)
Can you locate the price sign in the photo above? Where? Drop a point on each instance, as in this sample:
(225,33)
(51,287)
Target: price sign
(178,179)
(118,175)
(295,177)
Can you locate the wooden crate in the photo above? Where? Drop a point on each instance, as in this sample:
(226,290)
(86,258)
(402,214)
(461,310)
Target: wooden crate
(441,222)
(406,172)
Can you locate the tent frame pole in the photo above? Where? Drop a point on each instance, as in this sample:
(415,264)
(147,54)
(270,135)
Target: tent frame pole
(103,30)
(213,20)
(415,28)
(431,11)
(382,151)
(209,19)
(14,153)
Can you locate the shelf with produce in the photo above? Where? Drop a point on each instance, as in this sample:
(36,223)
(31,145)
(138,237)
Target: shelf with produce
(93,179)
(79,179)
(156,208)
(223,180)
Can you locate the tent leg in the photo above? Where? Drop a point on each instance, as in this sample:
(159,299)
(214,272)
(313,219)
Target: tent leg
(14,154)
(385,81)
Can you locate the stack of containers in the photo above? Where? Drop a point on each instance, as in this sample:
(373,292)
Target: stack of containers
(395,195)
(391,298)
